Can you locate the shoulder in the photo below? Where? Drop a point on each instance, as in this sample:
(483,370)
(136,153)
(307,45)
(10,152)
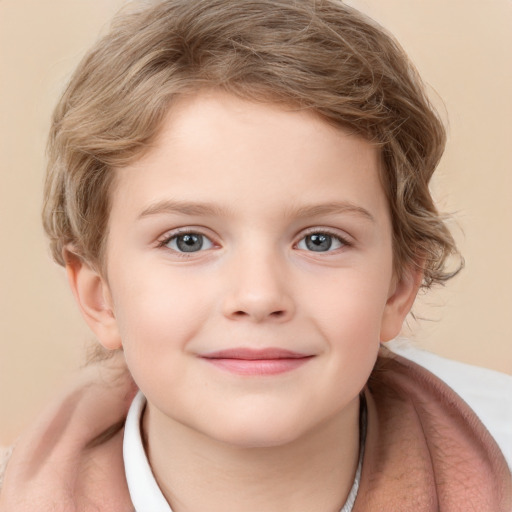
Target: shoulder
(487,392)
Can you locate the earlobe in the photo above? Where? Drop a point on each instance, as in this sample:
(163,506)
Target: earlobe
(399,303)
(92,294)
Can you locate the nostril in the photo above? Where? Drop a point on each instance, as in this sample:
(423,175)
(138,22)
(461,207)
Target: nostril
(274,314)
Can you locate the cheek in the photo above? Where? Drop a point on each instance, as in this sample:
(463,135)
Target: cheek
(348,314)
(158,309)
(156,320)
(350,324)
(354,298)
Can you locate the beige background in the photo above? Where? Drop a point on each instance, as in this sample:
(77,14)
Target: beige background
(463,49)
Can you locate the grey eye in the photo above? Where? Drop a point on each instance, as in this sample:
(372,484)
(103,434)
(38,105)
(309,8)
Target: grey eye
(320,242)
(189,242)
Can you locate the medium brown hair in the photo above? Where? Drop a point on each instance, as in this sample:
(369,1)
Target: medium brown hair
(319,55)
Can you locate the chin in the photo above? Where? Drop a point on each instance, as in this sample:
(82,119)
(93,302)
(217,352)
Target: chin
(258,440)
(259,434)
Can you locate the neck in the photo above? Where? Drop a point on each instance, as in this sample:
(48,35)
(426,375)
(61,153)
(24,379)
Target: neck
(197,473)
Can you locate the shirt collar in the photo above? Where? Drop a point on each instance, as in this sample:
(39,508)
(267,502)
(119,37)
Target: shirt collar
(144,491)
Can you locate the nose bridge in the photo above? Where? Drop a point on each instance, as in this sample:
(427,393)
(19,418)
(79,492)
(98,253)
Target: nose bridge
(258,285)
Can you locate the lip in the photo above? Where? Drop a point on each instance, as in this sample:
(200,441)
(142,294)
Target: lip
(247,361)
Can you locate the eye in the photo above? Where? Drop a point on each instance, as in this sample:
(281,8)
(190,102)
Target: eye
(321,242)
(188,242)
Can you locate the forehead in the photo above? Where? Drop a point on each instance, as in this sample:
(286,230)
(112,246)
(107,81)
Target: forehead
(214,147)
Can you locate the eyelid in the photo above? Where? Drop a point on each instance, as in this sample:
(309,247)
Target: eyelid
(163,240)
(345,239)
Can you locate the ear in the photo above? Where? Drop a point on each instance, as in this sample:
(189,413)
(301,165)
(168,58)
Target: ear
(400,300)
(92,294)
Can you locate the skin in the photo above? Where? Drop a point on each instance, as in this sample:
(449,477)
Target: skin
(256,181)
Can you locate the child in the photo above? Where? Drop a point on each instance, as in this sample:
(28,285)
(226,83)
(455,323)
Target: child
(239,194)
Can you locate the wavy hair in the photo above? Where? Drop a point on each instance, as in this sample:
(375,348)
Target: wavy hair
(319,55)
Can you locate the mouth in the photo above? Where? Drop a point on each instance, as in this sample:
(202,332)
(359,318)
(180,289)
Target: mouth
(245,361)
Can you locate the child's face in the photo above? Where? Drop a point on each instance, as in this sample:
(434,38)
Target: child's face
(247,228)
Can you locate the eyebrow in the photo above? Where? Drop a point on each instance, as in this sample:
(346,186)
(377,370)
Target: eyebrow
(316,210)
(183,208)
(199,209)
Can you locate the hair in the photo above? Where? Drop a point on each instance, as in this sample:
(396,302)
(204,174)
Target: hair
(319,55)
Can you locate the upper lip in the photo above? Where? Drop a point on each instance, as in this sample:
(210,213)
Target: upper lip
(254,354)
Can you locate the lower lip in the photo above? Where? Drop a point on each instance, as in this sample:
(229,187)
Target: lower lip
(258,366)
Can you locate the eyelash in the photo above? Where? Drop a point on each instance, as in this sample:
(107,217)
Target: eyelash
(163,242)
(319,231)
(168,237)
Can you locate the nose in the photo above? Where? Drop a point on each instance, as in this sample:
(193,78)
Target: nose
(258,290)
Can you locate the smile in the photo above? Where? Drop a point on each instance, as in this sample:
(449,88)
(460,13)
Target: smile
(243,361)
